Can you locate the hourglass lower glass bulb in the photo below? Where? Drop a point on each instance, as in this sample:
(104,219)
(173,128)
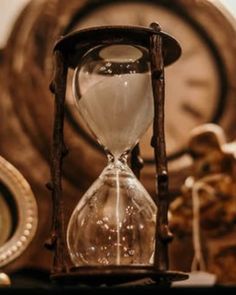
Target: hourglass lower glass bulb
(114,222)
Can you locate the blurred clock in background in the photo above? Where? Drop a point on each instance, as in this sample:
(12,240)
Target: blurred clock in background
(197,86)
(200,88)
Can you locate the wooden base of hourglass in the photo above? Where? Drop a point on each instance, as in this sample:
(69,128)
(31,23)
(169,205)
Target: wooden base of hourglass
(116,275)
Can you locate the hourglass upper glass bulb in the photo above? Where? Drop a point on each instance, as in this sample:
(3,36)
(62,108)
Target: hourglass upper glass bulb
(113,92)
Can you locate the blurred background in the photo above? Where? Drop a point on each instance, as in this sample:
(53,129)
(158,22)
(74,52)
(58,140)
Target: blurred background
(200,89)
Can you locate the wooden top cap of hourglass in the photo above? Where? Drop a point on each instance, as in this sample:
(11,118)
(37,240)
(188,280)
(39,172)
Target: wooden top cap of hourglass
(74,45)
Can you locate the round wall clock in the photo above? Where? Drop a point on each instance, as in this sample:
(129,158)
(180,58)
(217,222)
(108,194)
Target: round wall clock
(194,85)
(200,88)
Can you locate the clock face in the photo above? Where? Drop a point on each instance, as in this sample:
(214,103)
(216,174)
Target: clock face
(192,83)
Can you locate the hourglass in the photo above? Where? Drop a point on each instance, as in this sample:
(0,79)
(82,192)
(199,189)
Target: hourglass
(117,230)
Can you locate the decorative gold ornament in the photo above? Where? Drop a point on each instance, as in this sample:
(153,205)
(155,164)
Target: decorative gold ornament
(206,207)
(4,280)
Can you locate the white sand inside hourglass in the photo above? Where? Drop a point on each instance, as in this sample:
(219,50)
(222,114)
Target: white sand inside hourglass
(118,110)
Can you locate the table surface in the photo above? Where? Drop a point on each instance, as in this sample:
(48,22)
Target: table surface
(30,282)
(121,290)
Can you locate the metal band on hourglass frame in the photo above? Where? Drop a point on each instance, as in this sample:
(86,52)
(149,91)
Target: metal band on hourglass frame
(64,55)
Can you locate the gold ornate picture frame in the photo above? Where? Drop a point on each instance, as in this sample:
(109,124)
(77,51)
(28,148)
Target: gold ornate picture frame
(18,213)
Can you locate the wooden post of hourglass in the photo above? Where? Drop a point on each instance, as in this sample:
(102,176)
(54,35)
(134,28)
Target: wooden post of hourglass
(163,236)
(57,240)
(136,161)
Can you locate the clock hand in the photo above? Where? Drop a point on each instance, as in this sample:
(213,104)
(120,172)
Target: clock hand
(192,111)
(197,82)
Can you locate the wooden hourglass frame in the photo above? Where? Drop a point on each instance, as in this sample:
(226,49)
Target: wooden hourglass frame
(163,50)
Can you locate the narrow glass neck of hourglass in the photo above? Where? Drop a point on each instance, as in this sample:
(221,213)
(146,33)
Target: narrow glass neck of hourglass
(117,161)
